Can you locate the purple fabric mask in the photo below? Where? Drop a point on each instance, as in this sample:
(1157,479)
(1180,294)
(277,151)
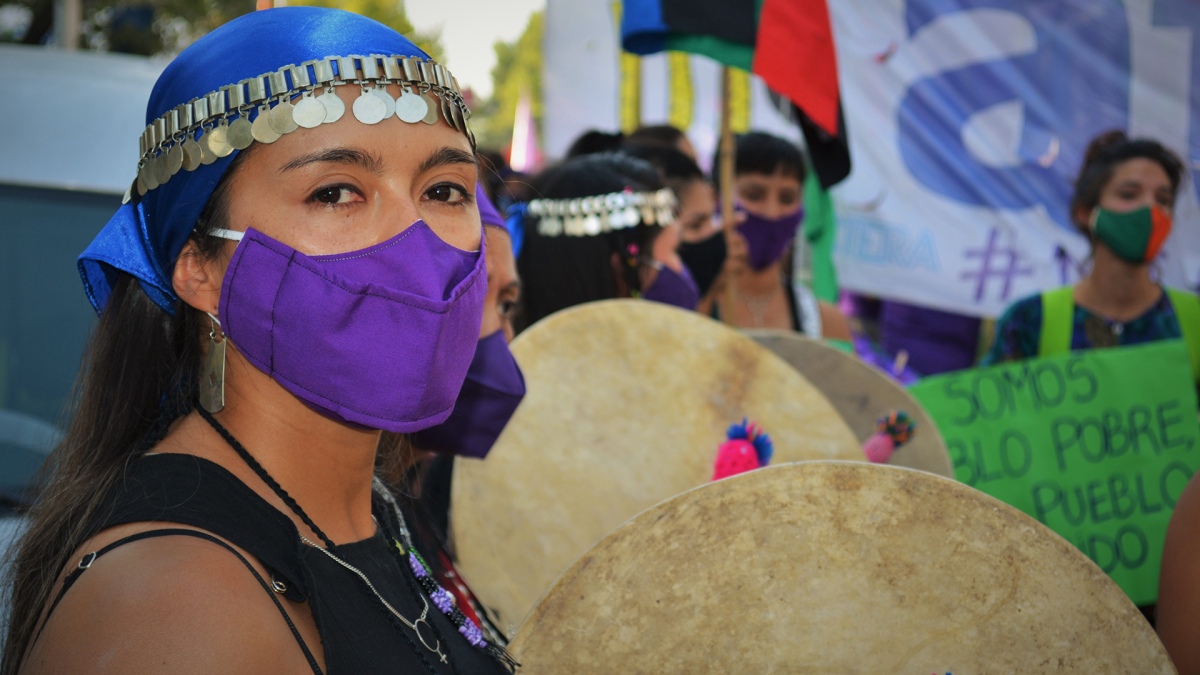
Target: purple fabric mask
(489,397)
(767,239)
(674,288)
(380,337)
(487,210)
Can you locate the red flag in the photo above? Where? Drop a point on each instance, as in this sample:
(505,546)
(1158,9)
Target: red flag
(794,54)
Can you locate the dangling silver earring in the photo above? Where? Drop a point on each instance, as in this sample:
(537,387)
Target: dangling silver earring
(212,371)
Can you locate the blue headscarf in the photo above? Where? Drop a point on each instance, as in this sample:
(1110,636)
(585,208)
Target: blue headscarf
(146,235)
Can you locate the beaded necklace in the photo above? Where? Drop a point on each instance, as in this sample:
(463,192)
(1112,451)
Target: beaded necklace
(404,547)
(401,548)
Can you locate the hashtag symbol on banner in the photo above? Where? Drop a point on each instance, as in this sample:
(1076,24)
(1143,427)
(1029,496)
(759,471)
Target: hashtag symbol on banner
(997,262)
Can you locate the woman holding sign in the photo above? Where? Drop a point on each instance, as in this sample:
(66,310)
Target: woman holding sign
(1123,202)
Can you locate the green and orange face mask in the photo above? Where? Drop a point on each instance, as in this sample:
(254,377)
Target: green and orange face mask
(1135,236)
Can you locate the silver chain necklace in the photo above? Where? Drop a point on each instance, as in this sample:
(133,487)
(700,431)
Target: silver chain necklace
(758,306)
(415,626)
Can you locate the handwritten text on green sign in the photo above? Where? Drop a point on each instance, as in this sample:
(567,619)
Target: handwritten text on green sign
(1097,445)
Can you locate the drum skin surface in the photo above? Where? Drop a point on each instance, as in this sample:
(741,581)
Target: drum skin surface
(836,567)
(861,395)
(627,402)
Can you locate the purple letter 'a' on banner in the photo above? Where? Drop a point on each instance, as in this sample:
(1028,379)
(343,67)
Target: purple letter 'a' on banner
(1074,85)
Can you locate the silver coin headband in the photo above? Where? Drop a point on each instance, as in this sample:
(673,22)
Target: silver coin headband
(214,125)
(590,216)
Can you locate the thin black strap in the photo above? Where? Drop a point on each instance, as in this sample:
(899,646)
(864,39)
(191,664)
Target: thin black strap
(90,558)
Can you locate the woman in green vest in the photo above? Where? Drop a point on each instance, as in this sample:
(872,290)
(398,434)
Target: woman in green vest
(1123,202)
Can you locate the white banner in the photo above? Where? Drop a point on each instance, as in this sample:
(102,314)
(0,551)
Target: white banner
(968,120)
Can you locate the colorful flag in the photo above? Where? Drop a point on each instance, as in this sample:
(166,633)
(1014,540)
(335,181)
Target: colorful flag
(789,43)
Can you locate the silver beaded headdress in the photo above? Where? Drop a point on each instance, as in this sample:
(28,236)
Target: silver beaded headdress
(262,109)
(590,216)
(211,102)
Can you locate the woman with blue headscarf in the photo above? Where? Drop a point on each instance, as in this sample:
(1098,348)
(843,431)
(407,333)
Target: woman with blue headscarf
(299,266)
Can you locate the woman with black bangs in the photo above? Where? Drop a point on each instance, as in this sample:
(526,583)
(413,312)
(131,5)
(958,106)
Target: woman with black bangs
(768,190)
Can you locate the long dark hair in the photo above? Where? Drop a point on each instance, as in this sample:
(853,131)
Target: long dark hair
(139,373)
(564,271)
(1104,154)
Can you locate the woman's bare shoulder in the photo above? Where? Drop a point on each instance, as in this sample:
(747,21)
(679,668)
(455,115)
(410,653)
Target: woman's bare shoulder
(167,604)
(1179,584)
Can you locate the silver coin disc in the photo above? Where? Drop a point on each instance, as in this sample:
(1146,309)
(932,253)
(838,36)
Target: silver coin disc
(208,155)
(591,225)
(389,103)
(150,178)
(369,109)
(163,170)
(240,134)
(192,154)
(411,108)
(141,181)
(280,118)
(431,117)
(456,117)
(175,159)
(218,141)
(334,106)
(261,128)
(309,112)
(154,179)
(631,216)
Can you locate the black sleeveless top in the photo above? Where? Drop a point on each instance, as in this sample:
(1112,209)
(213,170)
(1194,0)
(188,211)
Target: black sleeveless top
(356,632)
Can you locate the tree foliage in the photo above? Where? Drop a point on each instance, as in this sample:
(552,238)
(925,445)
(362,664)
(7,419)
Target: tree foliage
(167,26)
(518,70)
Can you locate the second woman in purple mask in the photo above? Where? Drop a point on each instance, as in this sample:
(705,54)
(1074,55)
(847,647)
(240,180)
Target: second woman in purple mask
(769,187)
(494,385)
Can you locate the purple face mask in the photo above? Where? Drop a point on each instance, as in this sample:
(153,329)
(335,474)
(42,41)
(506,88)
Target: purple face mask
(490,395)
(767,239)
(380,337)
(674,288)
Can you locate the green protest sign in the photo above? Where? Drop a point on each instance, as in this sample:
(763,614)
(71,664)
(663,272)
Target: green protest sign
(1097,445)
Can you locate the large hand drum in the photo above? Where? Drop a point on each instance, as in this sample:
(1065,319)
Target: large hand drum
(627,403)
(836,567)
(861,394)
